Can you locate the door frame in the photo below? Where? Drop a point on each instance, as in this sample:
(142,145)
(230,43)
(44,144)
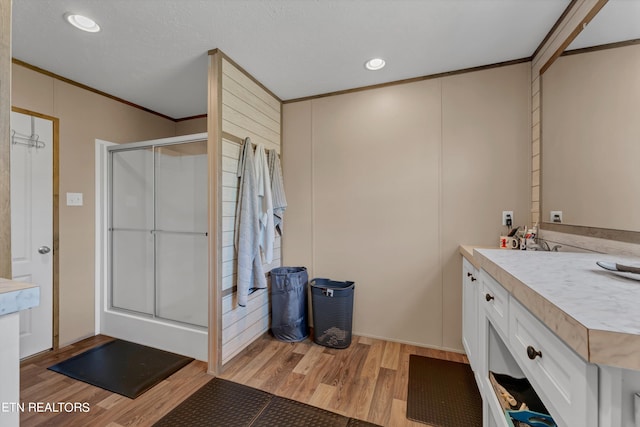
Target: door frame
(101,251)
(55,220)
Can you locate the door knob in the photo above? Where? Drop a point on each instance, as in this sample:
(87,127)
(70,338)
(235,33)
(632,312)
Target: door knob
(488,297)
(44,249)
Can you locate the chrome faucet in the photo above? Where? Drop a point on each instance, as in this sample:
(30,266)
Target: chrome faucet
(542,245)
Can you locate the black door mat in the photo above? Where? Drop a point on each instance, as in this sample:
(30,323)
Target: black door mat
(285,412)
(443,393)
(122,367)
(227,404)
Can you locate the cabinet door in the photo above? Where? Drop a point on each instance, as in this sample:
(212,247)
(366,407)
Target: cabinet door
(470,312)
(492,419)
(565,382)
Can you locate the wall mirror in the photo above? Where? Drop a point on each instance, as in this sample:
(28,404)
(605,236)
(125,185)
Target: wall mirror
(590,115)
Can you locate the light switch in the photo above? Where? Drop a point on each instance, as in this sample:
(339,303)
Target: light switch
(74,199)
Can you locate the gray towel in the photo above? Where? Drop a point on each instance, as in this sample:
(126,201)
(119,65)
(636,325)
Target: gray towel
(247,232)
(277,190)
(265,204)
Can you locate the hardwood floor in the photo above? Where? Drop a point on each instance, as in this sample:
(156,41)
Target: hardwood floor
(366,381)
(37,384)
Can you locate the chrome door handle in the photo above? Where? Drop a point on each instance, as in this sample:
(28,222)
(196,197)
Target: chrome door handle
(44,249)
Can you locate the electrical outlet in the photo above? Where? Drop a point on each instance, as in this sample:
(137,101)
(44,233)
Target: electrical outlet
(505,215)
(556,216)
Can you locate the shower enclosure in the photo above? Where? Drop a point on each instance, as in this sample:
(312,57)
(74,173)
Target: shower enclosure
(157,215)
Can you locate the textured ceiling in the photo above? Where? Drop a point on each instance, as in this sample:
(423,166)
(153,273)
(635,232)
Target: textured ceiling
(618,20)
(154,52)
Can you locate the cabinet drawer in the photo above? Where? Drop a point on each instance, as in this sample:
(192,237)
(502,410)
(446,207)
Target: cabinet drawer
(565,382)
(495,301)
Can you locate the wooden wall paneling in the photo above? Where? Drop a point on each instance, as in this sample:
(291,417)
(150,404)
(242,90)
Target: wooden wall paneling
(266,116)
(255,138)
(233,87)
(239,124)
(248,326)
(230,157)
(214,142)
(5,114)
(239,75)
(247,110)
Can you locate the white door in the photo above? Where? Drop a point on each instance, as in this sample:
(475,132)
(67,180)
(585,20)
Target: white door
(32,225)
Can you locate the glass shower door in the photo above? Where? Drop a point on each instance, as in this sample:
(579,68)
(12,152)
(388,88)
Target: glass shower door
(157,263)
(159,243)
(181,232)
(132,241)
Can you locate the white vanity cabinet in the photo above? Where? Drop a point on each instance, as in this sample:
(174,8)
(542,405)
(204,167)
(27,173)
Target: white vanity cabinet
(555,348)
(14,297)
(518,344)
(565,382)
(470,285)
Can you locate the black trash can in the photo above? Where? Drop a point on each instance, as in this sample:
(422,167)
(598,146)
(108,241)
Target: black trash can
(289,319)
(332,304)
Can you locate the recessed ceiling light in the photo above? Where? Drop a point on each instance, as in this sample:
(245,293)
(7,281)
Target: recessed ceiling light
(374,64)
(82,22)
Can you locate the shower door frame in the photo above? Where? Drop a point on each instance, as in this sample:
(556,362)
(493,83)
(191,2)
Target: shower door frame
(174,336)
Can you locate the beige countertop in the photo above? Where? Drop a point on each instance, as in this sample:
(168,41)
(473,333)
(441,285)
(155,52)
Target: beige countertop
(467,252)
(594,311)
(7,285)
(16,296)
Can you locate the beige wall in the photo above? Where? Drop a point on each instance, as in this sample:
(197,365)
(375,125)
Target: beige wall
(384,184)
(191,126)
(485,170)
(84,116)
(5,108)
